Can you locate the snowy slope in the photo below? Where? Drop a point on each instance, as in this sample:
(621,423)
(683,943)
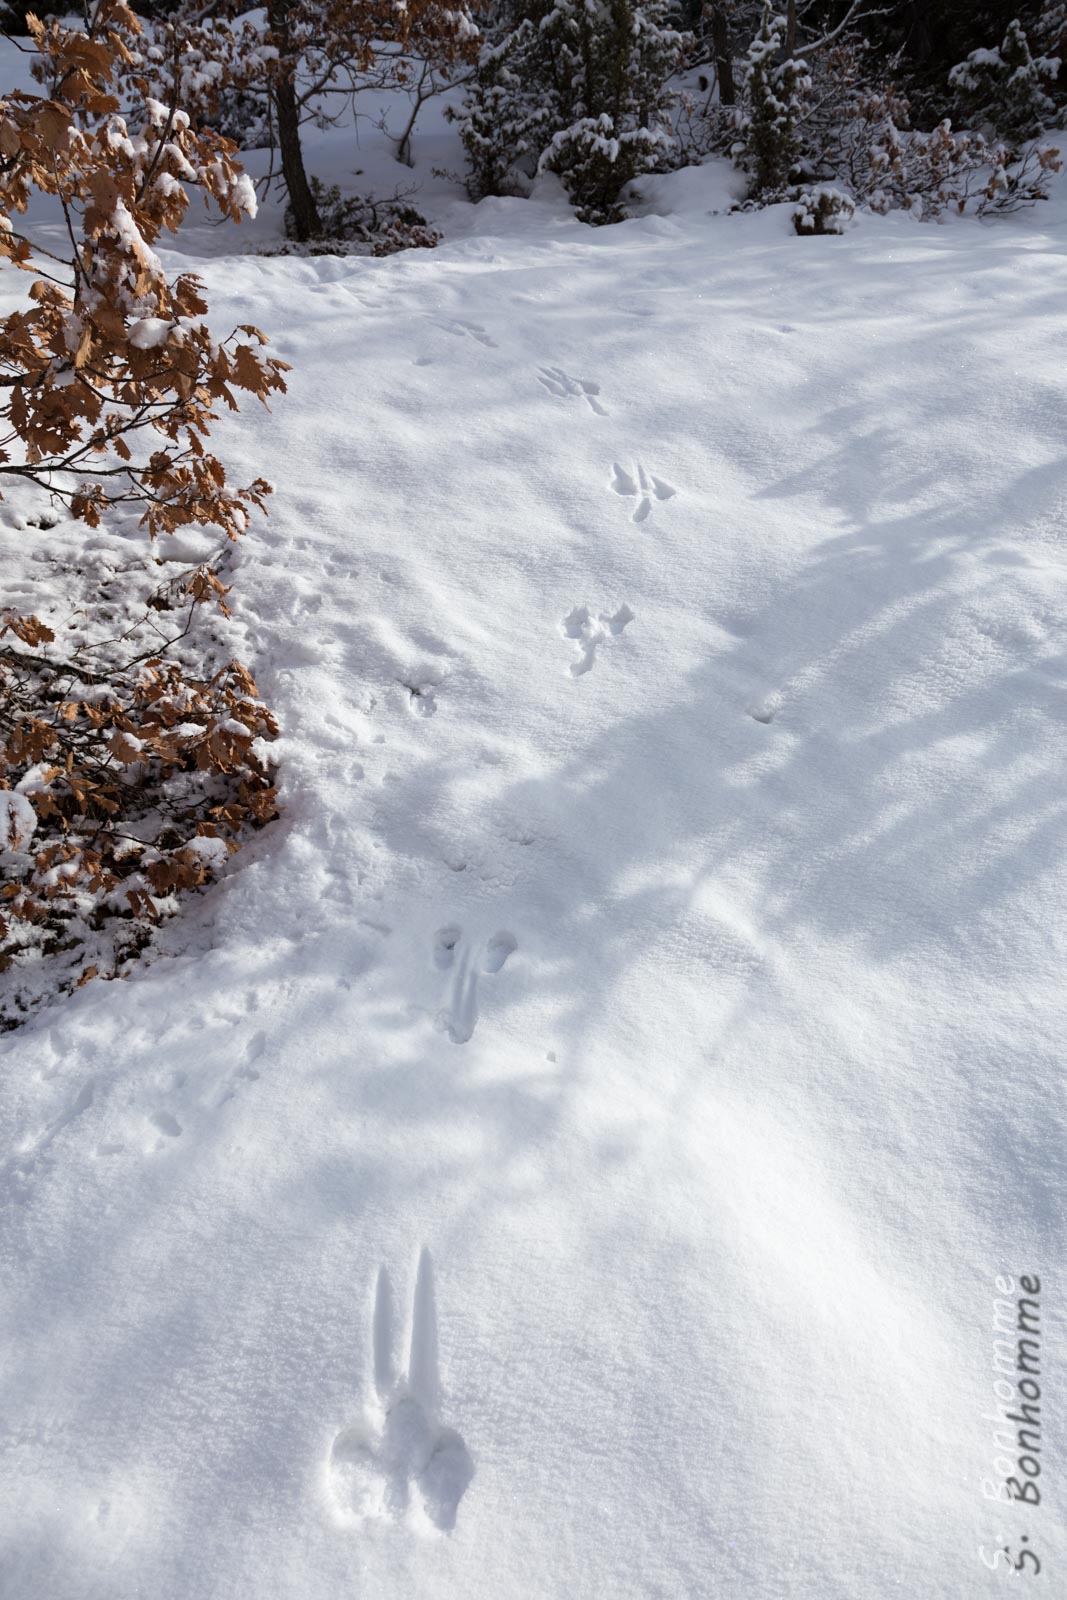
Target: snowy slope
(664,933)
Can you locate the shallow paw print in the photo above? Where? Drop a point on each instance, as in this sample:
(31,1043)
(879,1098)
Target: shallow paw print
(401,1464)
(20,1164)
(500,946)
(162,1121)
(422,684)
(765,708)
(245,1070)
(166,1123)
(560,383)
(466,330)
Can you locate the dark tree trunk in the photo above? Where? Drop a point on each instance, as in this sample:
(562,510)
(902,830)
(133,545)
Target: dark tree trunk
(306,221)
(790,29)
(724,66)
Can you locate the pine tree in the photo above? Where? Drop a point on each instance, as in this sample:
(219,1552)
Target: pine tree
(1008,87)
(575,87)
(775,92)
(506,119)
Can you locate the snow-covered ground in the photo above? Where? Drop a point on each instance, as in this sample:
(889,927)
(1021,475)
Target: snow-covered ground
(570,1155)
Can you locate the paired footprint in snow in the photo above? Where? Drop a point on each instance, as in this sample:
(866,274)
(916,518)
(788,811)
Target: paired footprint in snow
(400,1464)
(638,484)
(589,632)
(642,486)
(560,383)
(467,330)
(453,954)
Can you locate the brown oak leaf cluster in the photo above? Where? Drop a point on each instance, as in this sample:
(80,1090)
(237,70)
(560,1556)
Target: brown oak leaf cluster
(124,783)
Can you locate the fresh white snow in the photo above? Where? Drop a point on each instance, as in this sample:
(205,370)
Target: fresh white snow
(568,1157)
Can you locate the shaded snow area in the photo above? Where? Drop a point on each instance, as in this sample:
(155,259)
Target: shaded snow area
(570,1155)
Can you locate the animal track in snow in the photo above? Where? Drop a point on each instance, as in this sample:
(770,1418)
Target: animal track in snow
(766,709)
(422,679)
(245,1071)
(500,946)
(165,1123)
(445,941)
(642,486)
(23,1161)
(558,382)
(422,698)
(452,954)
(401,1464)
(468,330)
(589,632)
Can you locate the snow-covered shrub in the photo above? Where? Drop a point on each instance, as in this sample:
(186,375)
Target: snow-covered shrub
(356,224)
(864,141)
(835,119)
(575,87)
(506,119)
(823,209)
(243,117)
(1007,88)
(1050,30)
(1016,177)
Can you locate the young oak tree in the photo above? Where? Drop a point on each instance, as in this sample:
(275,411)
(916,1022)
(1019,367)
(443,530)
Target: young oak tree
(112,355)
(122,781)
(295,58)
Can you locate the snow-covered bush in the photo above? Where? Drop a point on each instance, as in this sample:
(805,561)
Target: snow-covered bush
(1050,29)
(360,225)
(1007,88)
(123,784)
(575,87)
(243,117)
(833,117)
(506,120)
(863,141)
(823,209)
